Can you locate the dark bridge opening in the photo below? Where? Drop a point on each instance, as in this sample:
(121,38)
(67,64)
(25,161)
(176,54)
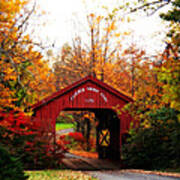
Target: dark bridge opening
(107,132)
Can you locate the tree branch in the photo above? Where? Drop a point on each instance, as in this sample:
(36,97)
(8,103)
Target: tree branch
(161,4)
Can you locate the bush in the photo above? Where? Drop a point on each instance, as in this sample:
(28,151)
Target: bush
(39,154)
(10,167)
(73,140)
(145,150)
(34,152)
(21,139)
(155,147)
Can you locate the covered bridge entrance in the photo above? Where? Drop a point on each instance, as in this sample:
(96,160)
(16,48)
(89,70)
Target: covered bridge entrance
(93,95)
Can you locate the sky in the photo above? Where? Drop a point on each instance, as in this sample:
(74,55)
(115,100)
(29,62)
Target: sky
(64,18)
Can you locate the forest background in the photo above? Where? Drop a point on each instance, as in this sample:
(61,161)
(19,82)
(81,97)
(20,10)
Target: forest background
(30,71)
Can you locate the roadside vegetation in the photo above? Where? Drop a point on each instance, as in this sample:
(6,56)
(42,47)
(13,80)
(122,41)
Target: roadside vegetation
(58,175)
(153,141)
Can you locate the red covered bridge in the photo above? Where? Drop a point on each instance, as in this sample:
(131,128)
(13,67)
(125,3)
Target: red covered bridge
(93,95)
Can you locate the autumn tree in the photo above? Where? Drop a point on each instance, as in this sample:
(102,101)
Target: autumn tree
(103,57)
(155,139)
(25,77)
(153,87)
(90,58)
(24,74)
(71,65)
(169,71)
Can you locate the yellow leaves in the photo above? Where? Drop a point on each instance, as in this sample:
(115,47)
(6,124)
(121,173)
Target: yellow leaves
(98,19)
(169,73)
(6,97)
(178,118)
(26,37)
(111,27)
(146,124)
(22,67)
(89,116)
(92,15)
(117,34)
(126,33)
(128,19)
(9,9)
(43,80)
(10,74)
(57,175)
(175,104)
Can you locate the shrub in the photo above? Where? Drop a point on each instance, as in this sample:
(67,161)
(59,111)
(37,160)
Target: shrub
(157,146)
(77,136)
(21,139)
(73,140)
(39,154)
(10,167)
(146,150)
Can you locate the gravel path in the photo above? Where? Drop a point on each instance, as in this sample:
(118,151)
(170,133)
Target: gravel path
(119,175)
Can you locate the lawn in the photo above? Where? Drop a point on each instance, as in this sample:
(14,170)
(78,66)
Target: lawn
(61,126)
(58,175)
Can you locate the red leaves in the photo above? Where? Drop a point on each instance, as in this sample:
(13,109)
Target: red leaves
(36,151)
(16,122)
(77,136)
(71,140)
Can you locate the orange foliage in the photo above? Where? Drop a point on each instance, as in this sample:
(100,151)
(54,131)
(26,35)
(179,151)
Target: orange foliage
(24,76)
(86,154)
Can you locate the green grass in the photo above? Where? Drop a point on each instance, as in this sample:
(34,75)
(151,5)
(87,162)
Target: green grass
(58,175)
(61,126)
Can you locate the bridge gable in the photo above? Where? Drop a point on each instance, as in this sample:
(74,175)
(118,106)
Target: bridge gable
(86,93)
